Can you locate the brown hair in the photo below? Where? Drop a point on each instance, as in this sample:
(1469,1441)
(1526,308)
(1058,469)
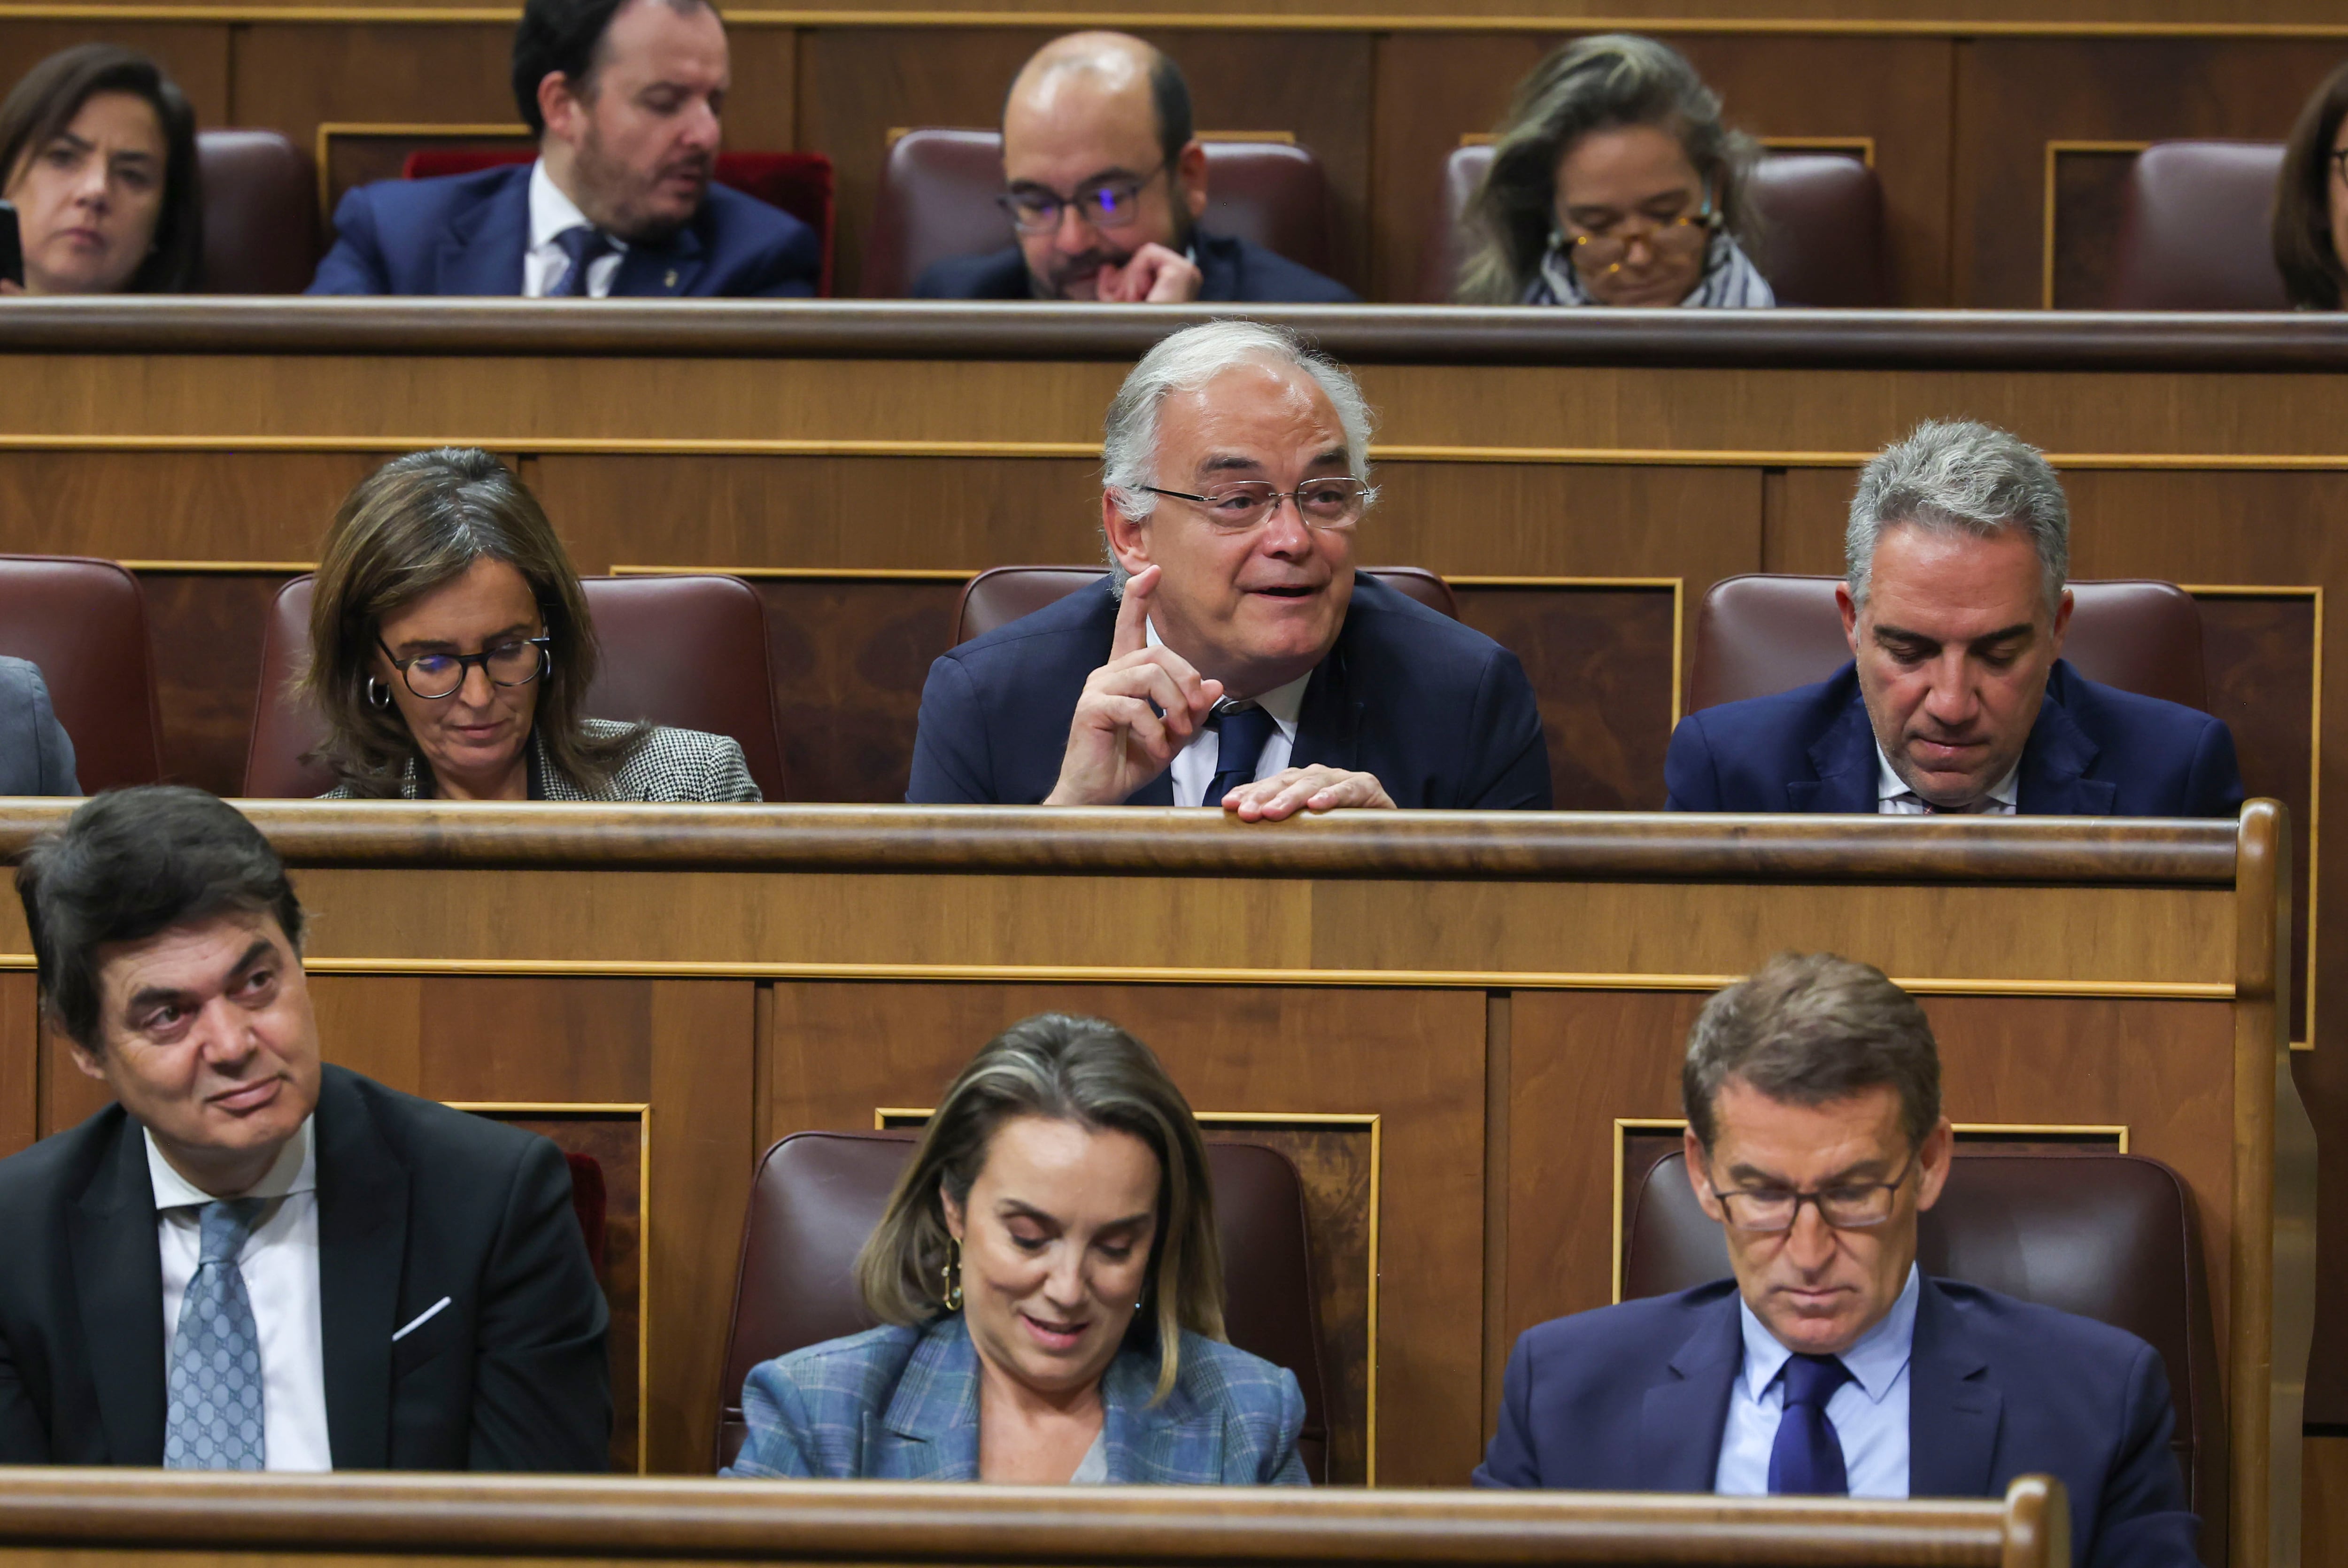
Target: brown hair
(40,107)
(1601,83)
(2312,271)
(1090,1072)
(415,523)
(1810,1028)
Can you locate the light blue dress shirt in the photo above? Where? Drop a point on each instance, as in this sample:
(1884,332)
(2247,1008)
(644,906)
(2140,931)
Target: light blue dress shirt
(1870,1412)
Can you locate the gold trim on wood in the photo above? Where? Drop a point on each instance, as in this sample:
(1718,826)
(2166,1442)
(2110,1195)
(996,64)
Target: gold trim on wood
(2116,1132)
(897,133)
(642,1113)
(2046,240)
(810,573)
(323,145)
(1373,1121)
(220,568)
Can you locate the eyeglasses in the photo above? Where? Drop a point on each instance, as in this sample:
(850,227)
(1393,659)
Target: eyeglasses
(1675,237)
(1105,203)
(1321,503)
(1853,1207)
(434,675)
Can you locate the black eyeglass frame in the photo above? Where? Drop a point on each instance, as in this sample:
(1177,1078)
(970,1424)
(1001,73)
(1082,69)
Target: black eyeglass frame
(1084,201)
(1365,492)
(1818,1199)
(466,662)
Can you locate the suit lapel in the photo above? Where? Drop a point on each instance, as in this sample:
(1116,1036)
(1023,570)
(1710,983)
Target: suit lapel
(666,272)
(1329,720)
(118,1271)
(2055,759)
(362,1253)
(1175,1444)
(1952,1416)
(1692,1402)
(482,252)
(929,1431)
(1844,760)
(1159,792)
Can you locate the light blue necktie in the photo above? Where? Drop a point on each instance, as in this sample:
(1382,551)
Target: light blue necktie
(215,1379)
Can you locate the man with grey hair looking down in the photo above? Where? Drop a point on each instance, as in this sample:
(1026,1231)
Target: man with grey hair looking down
(1233,657)
(1957,698)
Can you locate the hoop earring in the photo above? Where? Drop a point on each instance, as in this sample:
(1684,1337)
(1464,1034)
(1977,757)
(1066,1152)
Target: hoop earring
(952,1275)
(378,695)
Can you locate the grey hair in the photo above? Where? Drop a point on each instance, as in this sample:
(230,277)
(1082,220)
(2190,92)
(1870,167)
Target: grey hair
(1808,1029)
(1188,360)
(1952,476)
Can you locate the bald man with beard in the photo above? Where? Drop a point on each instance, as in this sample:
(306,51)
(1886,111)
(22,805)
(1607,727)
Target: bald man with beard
(1105,183)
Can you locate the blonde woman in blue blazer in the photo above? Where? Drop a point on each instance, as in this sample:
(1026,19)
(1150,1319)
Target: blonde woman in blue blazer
(1050,1292)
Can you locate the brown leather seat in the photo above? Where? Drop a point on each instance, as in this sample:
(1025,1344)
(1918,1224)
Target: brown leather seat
(2194,228)
(687,652)
(818,1196)
(1001,594)
(2104,1235)
(1758,635)
(85,622)
(261,212)
(938,189)
(1822,228)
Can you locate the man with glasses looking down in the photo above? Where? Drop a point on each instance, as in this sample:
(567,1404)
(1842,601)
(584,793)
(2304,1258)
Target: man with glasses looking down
(1233,657)
(1104,182)
(1829,1365)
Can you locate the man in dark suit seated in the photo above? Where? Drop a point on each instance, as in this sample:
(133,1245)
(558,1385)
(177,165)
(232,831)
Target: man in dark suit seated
(37,756)
(248,1261)
(1957,698)
(1105,184)
(1829,1365)
(623,96)
(1232,658)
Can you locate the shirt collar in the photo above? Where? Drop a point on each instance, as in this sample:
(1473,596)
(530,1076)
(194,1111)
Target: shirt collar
(550,212)
(1889,786)
(1874,1361)
(295,1171)
(1284,703)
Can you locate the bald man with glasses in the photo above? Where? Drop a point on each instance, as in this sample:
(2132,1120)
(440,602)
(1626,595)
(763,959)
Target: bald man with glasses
(1104,183)
(1234,658)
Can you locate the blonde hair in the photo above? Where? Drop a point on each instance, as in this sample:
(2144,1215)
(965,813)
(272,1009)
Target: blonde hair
(1067,1068)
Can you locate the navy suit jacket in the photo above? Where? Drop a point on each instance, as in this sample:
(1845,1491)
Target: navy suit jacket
(2095,751)
(466,235)
(1231,271)
(37,757)
(1634,1398)
(1442,715)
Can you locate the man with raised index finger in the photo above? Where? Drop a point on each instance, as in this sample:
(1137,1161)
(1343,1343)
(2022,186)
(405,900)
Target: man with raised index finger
(1234,658)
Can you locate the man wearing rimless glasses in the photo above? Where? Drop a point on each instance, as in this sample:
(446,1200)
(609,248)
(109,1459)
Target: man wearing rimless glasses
(1104,185)
(1233,658)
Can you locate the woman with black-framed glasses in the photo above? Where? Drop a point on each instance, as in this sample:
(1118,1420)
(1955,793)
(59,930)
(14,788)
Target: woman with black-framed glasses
(451,651)
(2310,206)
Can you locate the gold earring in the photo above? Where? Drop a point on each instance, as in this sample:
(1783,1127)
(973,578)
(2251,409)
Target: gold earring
(952,1275)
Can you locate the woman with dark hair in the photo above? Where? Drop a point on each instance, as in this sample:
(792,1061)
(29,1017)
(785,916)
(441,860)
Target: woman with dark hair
(1613,183)
(97,153)
(1051,1288)
(451,651)
(2310,209)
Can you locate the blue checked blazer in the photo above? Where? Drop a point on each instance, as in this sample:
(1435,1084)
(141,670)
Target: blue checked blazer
(901,1404)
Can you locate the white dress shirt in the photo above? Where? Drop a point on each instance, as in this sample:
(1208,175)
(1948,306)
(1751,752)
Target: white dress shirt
(280,1265)
(1194,764)
(1894,798)
(551,212)
(1870,1412)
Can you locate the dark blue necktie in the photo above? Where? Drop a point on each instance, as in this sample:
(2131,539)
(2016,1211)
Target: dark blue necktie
(1241,733)
(1806,1460)
(583,246)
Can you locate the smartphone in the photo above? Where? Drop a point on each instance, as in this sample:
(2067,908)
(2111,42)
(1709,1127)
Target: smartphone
(12,247)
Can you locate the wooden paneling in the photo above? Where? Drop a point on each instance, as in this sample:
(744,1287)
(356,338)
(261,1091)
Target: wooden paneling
(206,631)
(2013,96)
(295,76)
(1433,90)
(856,84)
(20,1060)
(2323,1531)
(849,657)
(2090,207)
(195,53)
(228,506)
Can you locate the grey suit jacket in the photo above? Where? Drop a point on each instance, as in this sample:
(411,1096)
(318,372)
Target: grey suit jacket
(36,758)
